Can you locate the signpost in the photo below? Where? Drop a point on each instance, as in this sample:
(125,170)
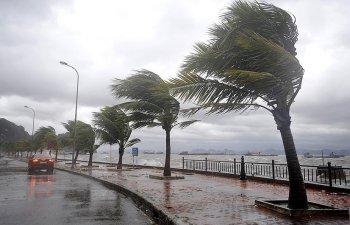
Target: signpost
(135,152)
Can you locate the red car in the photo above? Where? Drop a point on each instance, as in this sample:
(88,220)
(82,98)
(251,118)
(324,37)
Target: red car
(40,162)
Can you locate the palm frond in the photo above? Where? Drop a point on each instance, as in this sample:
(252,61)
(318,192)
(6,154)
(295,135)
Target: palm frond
(112,125)
(132,142)
(191,111)
(266,19)
(140,124)
(150,102)
(137,86)
(185,124)
(250,55)
(190,86)
(217,108)
(142,106)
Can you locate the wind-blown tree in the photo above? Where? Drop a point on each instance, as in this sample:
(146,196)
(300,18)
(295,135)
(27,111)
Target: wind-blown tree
(45,137)
(52,142)
(85,137)
(249,62)
(112,127)
(150,105)
(92,151)
(39,137)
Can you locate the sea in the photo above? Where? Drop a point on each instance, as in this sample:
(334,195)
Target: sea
(176,159)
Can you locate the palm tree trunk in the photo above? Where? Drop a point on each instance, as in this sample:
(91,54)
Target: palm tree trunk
(167,171)
(121,153)
(76,157)
(90,158)
(56,153)
(297,192)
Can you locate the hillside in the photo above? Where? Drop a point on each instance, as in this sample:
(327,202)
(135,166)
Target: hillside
(11,132)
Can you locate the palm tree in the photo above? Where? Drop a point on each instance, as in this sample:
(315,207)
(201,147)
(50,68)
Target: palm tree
(85,137)
(52,142)
(45,137)
(92,151)
(113,128)
(150,105)
(249,62)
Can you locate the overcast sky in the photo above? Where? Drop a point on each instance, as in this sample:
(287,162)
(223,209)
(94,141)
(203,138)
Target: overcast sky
(109,39)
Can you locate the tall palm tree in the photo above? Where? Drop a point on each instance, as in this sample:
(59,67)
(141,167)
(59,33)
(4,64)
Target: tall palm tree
(249,62)
(85,137)
(92,151)
(43,136)
(113,128)
(52,143)
(150,105)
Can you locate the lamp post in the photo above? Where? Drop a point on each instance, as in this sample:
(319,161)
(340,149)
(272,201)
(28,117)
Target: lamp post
(33,125)
(76,107)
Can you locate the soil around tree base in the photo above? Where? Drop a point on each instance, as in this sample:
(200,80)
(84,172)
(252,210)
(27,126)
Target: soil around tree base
(315,210)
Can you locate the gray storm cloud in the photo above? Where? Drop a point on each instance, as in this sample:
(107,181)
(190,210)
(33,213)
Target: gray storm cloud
(109,39)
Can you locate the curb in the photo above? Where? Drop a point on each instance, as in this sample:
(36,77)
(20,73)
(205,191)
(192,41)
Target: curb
(157,215)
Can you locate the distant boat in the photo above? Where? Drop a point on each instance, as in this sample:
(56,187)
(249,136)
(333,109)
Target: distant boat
(258,154)
(187,153)
(183,153)
(152,152)
(332,155)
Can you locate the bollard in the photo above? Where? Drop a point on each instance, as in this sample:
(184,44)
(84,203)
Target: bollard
(242,175)
(234,166)
(206,164)
(273,169)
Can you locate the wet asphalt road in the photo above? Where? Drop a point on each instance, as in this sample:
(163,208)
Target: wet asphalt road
(61,198)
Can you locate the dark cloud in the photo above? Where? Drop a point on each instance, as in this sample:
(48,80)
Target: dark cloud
(105,40)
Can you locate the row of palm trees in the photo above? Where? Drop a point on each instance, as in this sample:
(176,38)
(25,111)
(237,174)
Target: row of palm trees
(248,63)
(111,126)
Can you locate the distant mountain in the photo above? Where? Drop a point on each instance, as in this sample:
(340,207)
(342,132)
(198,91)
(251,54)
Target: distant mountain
(9,131)
(327,152)
(271,151)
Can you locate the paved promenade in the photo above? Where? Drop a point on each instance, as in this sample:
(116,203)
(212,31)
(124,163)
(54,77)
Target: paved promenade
(200,199)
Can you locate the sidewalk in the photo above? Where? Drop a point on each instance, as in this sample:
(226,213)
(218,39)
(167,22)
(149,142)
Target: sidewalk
(200,199)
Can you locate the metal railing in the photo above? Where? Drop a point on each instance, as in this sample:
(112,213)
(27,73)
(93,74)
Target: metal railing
(327,174)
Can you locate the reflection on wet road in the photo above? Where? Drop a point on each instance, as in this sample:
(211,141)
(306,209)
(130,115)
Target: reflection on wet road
(62,198)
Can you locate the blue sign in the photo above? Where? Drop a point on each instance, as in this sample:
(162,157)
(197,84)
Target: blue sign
(135,151)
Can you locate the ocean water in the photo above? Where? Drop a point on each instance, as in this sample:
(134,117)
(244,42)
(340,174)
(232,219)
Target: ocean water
(176,159)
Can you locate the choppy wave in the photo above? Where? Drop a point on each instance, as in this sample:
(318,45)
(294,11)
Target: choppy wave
(176,160)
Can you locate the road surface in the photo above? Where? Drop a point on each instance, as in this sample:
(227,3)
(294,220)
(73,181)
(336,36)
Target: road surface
(61,198)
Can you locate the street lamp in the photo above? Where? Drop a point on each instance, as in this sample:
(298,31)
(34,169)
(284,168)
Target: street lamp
(33,125)
(76,107)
